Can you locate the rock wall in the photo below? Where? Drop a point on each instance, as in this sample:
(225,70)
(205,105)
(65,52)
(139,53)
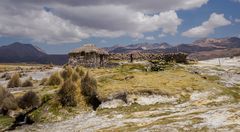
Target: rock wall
(177,57)
(88,60)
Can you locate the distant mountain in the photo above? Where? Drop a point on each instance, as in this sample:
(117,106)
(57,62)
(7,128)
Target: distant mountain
(210,46)
(137,47)
(19,53)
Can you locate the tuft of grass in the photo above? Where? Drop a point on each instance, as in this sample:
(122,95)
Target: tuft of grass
(27,83)
(68,93)
(14,81)
(80,71)
(67,72)
(7,101)
(43,81)
(89,85)
(29,100)
(54,79)
(75,77)
(5,122)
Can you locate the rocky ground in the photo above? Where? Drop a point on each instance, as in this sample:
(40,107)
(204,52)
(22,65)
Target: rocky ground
(215,107)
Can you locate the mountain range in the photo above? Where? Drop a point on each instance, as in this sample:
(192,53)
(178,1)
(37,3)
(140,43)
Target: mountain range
(202,49)
(27,53)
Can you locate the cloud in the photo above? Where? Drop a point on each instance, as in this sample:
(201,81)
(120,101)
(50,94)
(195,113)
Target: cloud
(150,38)
(236,0)
(207,27)
(237,20)
(161,35)
(69,21)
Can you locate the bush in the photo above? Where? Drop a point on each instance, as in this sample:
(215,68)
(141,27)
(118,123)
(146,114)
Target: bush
(88,85)
(27,83)
(75,77)
(14,81)
(29,100)
(67,73)
(68,93)
(55,79)
(80,71)
(7,101)
(43,81)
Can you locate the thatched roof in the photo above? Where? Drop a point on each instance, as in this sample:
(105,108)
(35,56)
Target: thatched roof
(89,48)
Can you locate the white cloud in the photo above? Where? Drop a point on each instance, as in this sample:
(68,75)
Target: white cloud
(207,27)
(71,21)
(237,20)
(161,35)
(236,0)
(150,38)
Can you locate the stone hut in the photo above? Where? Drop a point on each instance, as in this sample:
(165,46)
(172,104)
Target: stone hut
(89,56)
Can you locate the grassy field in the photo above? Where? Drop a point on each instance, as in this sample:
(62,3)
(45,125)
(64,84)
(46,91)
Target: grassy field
(134,80)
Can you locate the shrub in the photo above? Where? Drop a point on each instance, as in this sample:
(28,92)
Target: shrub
(14,81)
(88,85)
(43,81)
(68,93)
(7,101)
(29,100)
(54,79)
(75,77)
(67,72)
(27,83)
(80,71)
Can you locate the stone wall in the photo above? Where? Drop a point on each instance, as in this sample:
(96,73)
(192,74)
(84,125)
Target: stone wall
(88,60)
(177,57)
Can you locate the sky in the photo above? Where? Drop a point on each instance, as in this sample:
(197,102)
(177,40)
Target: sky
(59,26)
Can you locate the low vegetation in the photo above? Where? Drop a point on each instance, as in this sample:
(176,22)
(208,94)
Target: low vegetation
(89,85)
(27,83)
(68,93)
(55,79)
(29,100)
(67,72)
(14,81)
(7,101)
(75,77)
(44,81)
(80,71)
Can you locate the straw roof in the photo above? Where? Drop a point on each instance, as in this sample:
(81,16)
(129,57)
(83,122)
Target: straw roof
(88,48)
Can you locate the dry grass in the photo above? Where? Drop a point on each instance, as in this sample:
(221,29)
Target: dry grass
(27,83)
(169,82)
(14,81)
(69,93)
(55,79)
(89,85)
(67,73)
(29,100)
(7,100)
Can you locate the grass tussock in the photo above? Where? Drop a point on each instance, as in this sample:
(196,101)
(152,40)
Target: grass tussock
(67,72)
(68,93)
(27,83)
(29,100)
(14,81)
(89,85)
(7,101)
(75,77)
(55,79)
(80,71)
(43,81)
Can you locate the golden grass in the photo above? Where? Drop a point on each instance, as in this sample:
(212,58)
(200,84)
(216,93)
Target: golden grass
(169,82)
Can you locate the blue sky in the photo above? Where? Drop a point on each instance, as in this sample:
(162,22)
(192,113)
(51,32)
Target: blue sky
(69,24)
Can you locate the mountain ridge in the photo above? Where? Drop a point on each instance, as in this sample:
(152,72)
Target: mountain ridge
(18,53)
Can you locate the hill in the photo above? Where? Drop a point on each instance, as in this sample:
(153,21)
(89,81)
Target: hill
(27,53)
